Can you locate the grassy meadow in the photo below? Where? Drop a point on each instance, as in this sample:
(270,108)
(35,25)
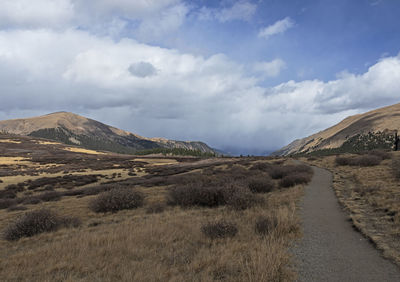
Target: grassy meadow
(69,215)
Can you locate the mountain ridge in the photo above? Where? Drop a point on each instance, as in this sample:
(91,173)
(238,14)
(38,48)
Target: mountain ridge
(362,131)
(70,128)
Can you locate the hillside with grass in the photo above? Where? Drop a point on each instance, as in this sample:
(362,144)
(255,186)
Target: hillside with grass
(73,129)
(372,130)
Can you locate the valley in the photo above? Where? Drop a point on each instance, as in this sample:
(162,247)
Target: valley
(196,218)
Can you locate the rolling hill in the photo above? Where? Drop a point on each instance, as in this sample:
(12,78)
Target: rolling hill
(74,129)
(372,130)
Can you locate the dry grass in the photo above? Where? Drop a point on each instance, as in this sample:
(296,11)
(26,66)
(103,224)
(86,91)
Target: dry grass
(135,245)
(153,242)
(84,151)
(156,161)
(166,246)
(47,142)
(372,197)
(10,141)
(13,160)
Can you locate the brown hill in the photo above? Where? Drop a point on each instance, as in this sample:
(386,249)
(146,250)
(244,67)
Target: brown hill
(74,129)
(374,129)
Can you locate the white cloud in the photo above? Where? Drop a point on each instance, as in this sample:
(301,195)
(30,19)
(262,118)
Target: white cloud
(38,13)
(137,9)
(276,28)
(190,97)
(165,22)
(241,10)
(270,69)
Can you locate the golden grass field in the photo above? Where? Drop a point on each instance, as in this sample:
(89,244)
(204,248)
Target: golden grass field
(135,245)
(371,195)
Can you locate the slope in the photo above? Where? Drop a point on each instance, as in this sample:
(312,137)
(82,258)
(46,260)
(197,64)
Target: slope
(374,129)
(74,129)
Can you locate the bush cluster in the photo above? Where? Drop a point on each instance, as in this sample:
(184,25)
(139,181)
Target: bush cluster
(384,155)
(219,229)
(35,222)
(196,194)
(6,203)
(295,179)
(117,199)
(279,172)
(241,198)
(261,184)
(363,160)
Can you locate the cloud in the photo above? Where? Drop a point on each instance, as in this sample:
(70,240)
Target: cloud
(189,97)
(145,19)
(276,28)
(270,69)
(138,9)
(33,14)
(164,22)
(142,69)
(241,10)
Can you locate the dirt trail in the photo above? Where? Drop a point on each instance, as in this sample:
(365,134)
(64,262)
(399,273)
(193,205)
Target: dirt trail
(331,250)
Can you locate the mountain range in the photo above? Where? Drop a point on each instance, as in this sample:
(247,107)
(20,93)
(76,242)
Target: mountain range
(73,129)
(372,130)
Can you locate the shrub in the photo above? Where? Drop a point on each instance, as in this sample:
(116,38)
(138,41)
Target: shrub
(363,160)
(155,208)
(6,203)
(32,223)
(50,196)
(384,155)
(219,229)
(241,198)
(7,194)
(278,172)
(16,208)
(195,194)
(294,179)
(261,185)
(342,161)
(31,200)
(14,188)
(117,199)
(264,225)
(367,160)
(261,166)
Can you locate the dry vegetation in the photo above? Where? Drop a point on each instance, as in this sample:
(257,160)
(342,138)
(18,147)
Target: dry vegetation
(368,187)
(190,220)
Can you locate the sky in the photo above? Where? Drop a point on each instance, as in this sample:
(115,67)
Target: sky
(244,76)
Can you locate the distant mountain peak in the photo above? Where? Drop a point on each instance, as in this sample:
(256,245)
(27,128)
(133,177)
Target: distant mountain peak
(71,128)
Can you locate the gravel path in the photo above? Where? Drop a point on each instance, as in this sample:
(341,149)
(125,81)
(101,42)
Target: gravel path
(331,250)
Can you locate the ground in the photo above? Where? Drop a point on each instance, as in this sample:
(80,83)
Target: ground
(143,244)
(371,197)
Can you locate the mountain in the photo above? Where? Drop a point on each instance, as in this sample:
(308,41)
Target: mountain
(372,130)
(77,130)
